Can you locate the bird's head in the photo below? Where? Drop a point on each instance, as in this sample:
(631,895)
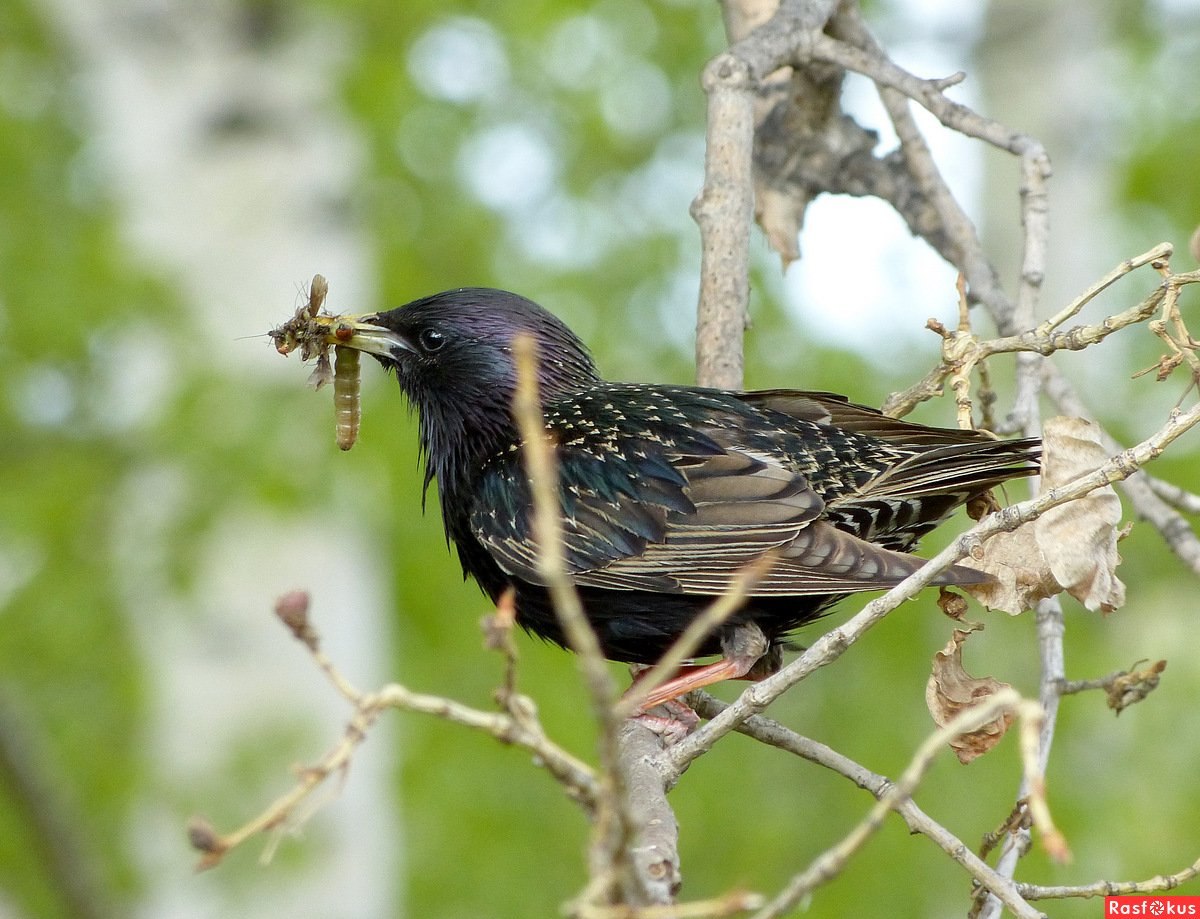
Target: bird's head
(452,354)
(457,345)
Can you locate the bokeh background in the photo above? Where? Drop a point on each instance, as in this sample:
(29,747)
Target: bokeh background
(172,174)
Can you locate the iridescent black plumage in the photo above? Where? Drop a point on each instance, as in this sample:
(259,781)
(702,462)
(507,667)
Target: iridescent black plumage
(668,490)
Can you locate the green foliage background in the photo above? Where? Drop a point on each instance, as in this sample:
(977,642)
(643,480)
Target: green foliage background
(484,833)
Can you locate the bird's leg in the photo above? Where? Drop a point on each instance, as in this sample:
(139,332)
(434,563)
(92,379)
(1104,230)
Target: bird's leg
(748,654)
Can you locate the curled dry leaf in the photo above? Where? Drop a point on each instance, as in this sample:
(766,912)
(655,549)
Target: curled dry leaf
(952,604)
(951,690)
(1072,547)
(1134,686)
(1079,539)
(781,216)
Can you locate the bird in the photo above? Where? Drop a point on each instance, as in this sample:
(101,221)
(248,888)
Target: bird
(668,491)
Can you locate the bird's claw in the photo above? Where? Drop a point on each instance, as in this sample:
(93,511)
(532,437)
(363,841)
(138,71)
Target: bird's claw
(672,720)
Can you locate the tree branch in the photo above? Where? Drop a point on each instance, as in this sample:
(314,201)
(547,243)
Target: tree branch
(774,734)
(519,727)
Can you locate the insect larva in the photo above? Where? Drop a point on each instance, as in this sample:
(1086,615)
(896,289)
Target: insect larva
(311,332)
(346,385)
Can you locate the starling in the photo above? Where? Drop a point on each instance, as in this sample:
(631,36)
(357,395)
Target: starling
(668,491)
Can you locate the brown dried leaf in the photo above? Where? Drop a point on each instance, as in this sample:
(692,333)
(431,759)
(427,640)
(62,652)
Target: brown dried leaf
(1020,574)
(952,604)
(1072,547)
(951,689)
(1079,539)
(1133,687)
(781,216)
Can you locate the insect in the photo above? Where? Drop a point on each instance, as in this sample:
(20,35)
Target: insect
(307,331)
(313,333)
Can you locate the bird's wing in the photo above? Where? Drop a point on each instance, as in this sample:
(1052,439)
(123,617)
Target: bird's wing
(832,409)
(683,518)
(935,469)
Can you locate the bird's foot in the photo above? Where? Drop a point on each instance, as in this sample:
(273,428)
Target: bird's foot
(675,723)
(749,655)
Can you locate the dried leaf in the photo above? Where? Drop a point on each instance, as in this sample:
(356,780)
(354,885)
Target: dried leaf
(1072,547)
(1079,539)
(1020,574)
(781,215)
(952,604)
(951,689)
(1134,686)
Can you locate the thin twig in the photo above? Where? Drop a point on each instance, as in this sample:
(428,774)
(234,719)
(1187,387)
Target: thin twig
(731,904)
(519,727)
(962,351)
(767,731)
(542,466)
(610,830)
(576,776)
(1123,688)
(1158,253)
(832,861)
(1179,498)
(1111,888)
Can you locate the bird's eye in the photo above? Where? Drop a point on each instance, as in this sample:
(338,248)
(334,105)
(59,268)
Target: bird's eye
(431,340)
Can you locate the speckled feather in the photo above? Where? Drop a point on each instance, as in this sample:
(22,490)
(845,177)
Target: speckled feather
(668,490)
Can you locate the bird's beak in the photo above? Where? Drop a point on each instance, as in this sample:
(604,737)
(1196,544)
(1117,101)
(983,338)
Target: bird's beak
(313,335)
(364,333)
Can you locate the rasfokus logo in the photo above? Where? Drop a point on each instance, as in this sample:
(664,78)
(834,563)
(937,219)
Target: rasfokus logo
(1153,906)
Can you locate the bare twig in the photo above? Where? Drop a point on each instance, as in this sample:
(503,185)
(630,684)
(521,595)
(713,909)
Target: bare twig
(831,862)
(1017,819)
(962,351)
(724,210)
(1121,689)
(282,813)
(1177,497)
(1111,888)
(547,524)
(612,825)
(1157,254)
(520,727)
(773,733)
